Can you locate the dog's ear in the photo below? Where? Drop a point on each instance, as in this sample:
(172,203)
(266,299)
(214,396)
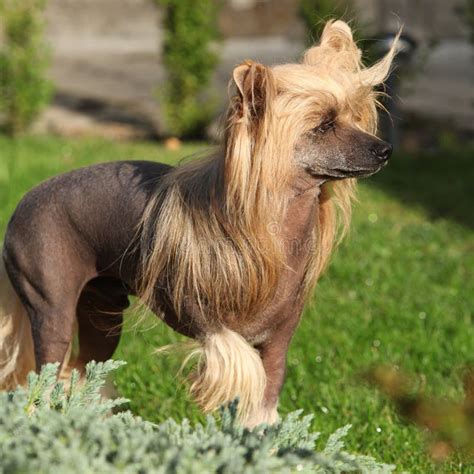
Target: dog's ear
(337,38)
(248,123)
(255,87)
(337,35)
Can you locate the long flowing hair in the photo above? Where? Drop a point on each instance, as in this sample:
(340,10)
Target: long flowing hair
(207,235)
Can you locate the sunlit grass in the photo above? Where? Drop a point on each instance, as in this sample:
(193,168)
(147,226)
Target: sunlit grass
(400,290)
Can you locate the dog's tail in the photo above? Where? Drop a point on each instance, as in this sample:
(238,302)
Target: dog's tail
(229,367)
(16,342)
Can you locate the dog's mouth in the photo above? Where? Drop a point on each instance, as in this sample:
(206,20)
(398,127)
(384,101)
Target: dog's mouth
(341,173)
(366,173)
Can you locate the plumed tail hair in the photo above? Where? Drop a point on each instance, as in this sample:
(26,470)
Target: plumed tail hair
(16,342)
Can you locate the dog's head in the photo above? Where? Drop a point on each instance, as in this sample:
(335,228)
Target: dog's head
(336,149)
(321,112)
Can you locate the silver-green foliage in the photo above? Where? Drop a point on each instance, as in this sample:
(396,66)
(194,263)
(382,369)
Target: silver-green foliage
(24,60)
(49,428)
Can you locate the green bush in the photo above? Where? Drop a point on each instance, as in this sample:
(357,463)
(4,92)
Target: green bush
(315,13)
(24,59)
(190,59)
(466,13)
(47,428)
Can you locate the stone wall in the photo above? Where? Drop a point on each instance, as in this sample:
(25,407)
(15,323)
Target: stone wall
(106,53)
(94,25)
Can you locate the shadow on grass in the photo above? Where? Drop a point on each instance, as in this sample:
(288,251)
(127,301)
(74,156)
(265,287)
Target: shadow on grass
(442,183)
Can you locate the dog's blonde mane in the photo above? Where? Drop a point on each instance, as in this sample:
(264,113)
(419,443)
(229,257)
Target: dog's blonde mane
(208,234)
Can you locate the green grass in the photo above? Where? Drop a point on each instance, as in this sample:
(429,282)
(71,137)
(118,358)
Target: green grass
(400,290)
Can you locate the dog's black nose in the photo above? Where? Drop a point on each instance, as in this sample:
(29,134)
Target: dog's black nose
(382,151)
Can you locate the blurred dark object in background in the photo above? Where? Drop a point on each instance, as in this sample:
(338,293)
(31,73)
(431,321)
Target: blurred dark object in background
(449,424)
(404,59)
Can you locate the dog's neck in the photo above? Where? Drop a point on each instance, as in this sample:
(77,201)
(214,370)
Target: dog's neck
(305,184)
(301,214)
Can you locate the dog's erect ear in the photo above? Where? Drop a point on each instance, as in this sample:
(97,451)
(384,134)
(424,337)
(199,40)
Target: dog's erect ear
(256,87)
(338,50)
(336,36)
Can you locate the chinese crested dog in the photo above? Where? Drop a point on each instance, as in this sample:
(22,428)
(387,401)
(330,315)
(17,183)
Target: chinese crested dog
(224,249)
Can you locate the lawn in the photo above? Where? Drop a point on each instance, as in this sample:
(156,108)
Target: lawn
(400,291)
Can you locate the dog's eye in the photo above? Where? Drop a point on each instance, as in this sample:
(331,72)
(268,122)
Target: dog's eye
(325,126)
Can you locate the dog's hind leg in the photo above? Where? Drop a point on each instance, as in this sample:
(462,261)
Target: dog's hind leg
(37,320)
(49,289)
(100,316)
(53,323)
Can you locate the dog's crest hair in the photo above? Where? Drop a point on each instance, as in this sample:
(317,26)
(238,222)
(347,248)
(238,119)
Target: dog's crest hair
(207,235)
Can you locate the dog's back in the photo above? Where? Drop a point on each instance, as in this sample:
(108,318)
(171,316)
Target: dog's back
(72,227)
(93,210)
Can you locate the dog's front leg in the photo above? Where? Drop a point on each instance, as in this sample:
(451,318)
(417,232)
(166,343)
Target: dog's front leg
(274,363)
(273,353)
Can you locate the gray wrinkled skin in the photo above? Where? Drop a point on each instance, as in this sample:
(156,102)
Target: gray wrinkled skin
(334,150)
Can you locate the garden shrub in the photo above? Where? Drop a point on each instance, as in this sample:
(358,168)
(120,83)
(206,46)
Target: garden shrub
(47,428)
(24,60)
(315,12)
(190,58)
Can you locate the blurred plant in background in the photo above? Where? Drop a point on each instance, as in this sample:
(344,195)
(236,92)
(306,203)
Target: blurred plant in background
(24,61)
(450,425)
(466,13)
(190,59)
(314,13)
